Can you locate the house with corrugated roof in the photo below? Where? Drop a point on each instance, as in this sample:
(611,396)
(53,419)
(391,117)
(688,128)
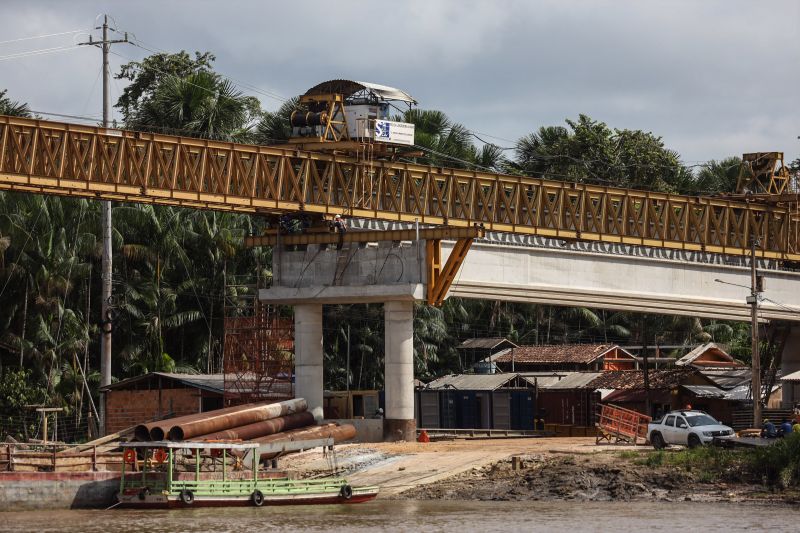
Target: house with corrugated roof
(564,357)
(568,398)
(474,352)
(158,395)
(662,389)
(709,355)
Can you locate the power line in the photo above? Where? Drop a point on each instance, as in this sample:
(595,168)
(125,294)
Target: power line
(39,52)
(64,115)
(141,44)
(42,36)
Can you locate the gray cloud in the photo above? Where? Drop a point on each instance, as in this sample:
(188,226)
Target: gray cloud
(714,78)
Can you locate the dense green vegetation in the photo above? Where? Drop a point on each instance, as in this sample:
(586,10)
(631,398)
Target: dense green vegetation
(170,264)
(777,465)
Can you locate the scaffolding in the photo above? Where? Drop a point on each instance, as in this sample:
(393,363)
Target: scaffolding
(259,346)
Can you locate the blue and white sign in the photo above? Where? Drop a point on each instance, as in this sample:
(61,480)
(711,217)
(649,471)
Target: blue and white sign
(394,132)
(382,129)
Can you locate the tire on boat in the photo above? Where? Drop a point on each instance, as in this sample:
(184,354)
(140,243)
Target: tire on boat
(257,498)
(144,493)
(187,497)
(346,492)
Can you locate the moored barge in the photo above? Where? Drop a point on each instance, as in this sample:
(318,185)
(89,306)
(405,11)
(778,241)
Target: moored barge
(158,475)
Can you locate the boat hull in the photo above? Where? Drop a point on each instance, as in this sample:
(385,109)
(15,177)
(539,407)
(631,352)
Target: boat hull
(161,501)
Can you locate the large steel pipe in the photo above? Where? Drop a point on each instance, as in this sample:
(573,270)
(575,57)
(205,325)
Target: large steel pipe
(262,429)
(211,422)
(158,430)
(338,432)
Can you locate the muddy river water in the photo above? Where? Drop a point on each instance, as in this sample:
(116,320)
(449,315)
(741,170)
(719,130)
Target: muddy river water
(404,515)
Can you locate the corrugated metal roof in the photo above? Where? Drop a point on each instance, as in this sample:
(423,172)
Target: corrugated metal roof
(690,357)
(727,379)
(541,381)
(471,381)
(208,382)
(485,343)
(348,87)
(740,393)
(794,376)
(575,380)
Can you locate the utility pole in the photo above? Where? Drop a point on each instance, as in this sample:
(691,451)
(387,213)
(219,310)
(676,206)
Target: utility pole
(646,372)
(755,289)
(348,359)
(105,339)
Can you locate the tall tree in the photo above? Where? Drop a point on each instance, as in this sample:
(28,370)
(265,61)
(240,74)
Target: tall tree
(146,76)
(589,151)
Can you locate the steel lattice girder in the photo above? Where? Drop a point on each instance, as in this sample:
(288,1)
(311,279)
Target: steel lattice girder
(56,158)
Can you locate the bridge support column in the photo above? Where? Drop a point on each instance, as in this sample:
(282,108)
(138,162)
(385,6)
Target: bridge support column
(790,362)
(308,354)
(399,423)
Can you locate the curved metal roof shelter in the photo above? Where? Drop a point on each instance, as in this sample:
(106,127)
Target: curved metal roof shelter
(350,88)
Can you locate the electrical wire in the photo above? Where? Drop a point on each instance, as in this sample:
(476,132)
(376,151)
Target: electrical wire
(63,115)
(162,129)
(782,306)
(42,36)
(39,52)
(145,46)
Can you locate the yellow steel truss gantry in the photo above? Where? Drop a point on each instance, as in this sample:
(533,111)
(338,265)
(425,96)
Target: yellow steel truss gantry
(56,158)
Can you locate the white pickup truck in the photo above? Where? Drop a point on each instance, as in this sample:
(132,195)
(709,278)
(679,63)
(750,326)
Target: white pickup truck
(688,428)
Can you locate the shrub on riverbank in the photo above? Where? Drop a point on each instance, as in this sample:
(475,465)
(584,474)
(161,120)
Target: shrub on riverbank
(778,464)
(775,465)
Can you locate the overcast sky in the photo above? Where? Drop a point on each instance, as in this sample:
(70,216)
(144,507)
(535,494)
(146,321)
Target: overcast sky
(713,78)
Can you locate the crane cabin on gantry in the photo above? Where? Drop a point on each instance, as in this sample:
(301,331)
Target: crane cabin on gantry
(353,117)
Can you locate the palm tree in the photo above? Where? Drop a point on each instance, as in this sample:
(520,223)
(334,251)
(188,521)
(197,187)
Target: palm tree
(715,177)
(201,104)
(11,108)
(541,151)
(445,142)
(275,127)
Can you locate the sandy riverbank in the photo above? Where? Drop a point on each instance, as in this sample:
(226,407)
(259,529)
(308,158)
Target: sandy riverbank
(551,469)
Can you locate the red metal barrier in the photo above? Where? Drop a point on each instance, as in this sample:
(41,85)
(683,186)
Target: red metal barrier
(617,424)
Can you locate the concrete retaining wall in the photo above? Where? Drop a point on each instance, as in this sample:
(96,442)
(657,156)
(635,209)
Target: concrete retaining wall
(30,491)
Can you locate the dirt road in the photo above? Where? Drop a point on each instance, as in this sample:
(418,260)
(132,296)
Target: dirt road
(397,467)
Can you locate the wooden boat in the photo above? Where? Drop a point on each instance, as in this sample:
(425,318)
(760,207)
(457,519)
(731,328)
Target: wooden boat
(158,475)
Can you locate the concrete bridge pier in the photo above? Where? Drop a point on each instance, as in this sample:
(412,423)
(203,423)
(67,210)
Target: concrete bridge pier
(399,422)
(308,354)
(790,362)
(391,274)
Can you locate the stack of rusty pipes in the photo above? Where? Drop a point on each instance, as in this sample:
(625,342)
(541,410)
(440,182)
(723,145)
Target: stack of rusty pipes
(262,422)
